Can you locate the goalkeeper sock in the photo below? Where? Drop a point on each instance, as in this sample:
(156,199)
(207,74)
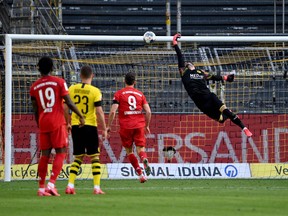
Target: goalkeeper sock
(57,166)
(134,161)
(234,118)
(42,170)
(74,169)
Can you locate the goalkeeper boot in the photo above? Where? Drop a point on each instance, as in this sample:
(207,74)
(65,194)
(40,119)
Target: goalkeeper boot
(98,191)
(70,190)
(247,132)
(147,167)
(142,179)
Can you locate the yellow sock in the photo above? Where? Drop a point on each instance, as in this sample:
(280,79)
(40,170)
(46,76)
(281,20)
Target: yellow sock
(96,171)
(74,169)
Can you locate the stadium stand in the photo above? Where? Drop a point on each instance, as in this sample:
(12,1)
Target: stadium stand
(122,17)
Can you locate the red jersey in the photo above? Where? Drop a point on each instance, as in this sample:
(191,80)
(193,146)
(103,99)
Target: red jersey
(48,92)
(131,103)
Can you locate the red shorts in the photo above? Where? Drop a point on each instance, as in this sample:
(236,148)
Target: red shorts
(54,139)
(128,136)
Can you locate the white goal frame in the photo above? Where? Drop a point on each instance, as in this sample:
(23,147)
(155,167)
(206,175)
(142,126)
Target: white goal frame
(9,38)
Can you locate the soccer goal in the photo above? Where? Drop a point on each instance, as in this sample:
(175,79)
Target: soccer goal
(184,143)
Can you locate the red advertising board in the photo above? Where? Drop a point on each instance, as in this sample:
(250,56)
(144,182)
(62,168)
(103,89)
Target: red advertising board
(196,138)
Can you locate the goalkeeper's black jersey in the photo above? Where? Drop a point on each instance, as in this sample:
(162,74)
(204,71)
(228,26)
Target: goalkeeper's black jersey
(195,83)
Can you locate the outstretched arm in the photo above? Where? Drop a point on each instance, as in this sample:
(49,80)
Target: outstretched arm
(228,78)
(181,63)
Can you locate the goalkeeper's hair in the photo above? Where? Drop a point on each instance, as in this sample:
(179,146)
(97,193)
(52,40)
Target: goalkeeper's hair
(45,65)
(86,71)
(130,78)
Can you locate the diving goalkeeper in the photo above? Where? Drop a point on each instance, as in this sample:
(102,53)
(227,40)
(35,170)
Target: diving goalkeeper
(194,81)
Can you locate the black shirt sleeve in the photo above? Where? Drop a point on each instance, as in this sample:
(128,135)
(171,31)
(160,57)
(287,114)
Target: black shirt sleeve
(214,77)
(98,103)
(115,102)
(180,57)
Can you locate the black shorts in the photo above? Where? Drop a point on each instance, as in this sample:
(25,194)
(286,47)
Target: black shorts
(210,105)
(85,140)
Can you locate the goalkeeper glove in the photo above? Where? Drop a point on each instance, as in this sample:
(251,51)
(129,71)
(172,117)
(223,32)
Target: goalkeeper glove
(229,78)
(175,38)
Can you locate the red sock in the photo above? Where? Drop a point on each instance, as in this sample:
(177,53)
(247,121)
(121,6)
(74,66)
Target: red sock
(134,161)
(42,170)
(57,166)
(142,155)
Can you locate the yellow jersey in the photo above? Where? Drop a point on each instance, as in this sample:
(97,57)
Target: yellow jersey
(86,97)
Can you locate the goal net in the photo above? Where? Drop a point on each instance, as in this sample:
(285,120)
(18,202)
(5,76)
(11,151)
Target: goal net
(182,138)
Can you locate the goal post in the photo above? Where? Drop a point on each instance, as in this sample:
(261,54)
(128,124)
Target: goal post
(220,57)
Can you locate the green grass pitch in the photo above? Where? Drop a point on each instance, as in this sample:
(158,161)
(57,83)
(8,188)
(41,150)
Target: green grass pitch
(211,197)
